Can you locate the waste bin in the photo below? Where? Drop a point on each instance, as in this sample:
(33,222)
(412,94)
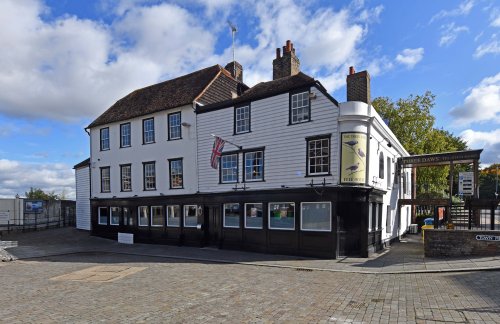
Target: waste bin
(424,227)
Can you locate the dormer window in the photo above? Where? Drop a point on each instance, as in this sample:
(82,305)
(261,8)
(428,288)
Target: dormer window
(300,107)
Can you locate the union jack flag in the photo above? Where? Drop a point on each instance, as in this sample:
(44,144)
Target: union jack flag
(217,151)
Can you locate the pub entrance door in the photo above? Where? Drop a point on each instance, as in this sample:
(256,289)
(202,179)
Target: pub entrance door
(212,225)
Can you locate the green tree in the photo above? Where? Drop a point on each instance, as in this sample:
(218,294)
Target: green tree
(412,122)
(37,193)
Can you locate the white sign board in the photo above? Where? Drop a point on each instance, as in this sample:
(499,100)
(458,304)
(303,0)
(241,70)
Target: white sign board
(126,238)
(4,217)
(466,183)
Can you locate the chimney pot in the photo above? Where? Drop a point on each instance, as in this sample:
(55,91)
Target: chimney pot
(286,65)
(358,86)
(278,53)
(351,70)
(288,46)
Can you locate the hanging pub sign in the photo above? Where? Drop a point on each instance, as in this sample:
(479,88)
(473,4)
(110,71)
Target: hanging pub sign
(353,161)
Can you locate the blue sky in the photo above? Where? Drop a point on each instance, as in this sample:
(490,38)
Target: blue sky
(66,61)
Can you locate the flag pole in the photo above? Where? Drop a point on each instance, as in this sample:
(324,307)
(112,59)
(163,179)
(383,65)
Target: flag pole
(238,146)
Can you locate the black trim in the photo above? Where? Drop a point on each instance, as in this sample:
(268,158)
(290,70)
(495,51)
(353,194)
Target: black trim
(322,89)
(109,173)
(236,107)
(244,165)
(144,175)
(121,177)
(237,166)
(290,94)
(130,135)
(100,139)
(170,172)
(315,138)
(143,131)
(180,125)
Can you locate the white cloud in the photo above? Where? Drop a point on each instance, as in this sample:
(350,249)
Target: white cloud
(495,17)
(450,32)
(463,9)
(490,47)
(488,141)
(17,177)
(482,104)
(73,68)
(410,56)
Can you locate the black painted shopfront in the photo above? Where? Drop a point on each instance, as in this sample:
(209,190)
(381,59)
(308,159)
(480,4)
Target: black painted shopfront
(243,220)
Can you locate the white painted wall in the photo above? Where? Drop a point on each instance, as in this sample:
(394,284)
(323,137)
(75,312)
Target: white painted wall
(137,153)
(82,176)
(285,145)
(15,209)
(361,117)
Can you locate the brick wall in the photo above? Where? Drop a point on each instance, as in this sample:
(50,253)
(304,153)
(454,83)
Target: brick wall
(453,243)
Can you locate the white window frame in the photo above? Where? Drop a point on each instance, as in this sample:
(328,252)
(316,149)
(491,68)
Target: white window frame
(127,135)
(145,176)
(168,214)
(147,132)
(124,179)
(245,215)
(111,216)
(222,168)
(104,179)
(242,119)
(99,215)
(173,175)
(176,126)
(184,215)
(295,97)
(309,157)
(302,216)
(151,216)
(139,216)
(251,167)
(224,215)
(269,216)
(104,140)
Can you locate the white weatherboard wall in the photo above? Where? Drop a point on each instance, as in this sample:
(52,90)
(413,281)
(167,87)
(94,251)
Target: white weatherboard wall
(360,117)
(285,145)
(82,176)
(137,153)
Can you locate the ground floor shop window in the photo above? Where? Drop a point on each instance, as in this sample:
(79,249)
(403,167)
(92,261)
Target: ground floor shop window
(190,215)
(282,216)
(316,216)
(232,215)
(174,215)
(157,218)
(253,216)
(115,216)
(127,217)
(103,215)
(143,215)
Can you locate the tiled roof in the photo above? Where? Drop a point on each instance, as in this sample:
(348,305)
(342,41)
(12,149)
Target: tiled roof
(158,97)
(264,90)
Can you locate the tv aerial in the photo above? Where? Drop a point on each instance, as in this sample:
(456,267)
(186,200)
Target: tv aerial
(233,32)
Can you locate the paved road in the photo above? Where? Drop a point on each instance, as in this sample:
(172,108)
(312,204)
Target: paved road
(113,287)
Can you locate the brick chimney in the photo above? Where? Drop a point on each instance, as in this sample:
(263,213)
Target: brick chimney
(358,86)
(235,69)
(285,65)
